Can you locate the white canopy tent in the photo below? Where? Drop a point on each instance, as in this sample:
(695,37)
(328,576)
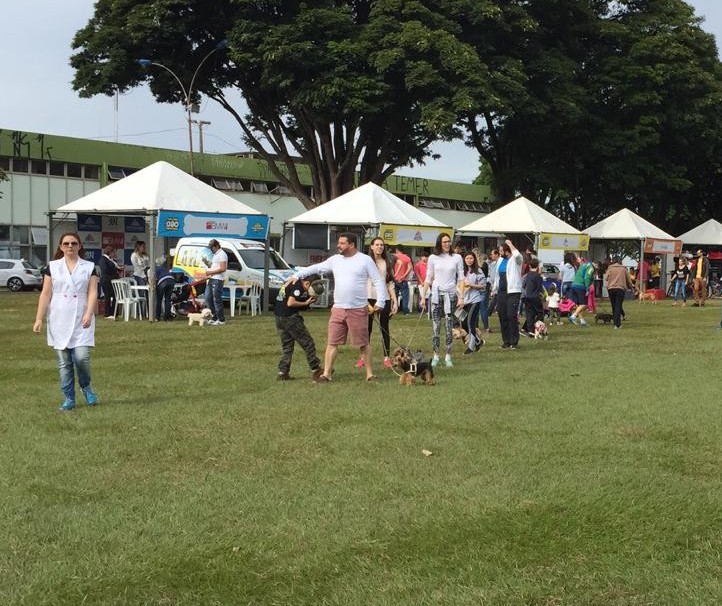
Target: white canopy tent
(707,234)
(158,187)
(372,206)
(522,216)
(627,225)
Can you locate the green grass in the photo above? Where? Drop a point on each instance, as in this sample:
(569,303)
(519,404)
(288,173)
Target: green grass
(584,470)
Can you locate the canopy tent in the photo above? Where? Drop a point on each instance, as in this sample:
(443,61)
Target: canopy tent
(626,225)
(707,234)
(525,217)
(372,206)
(159,189)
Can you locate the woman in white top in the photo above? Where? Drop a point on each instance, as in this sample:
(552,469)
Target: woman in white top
(380,256)
(445,283)
(68,298)
(140,261)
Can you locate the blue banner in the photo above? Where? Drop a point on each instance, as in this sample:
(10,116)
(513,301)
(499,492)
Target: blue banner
(134,225)
(179,224)
(90,222)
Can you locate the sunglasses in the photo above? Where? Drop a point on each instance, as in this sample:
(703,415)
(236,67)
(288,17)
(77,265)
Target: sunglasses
(70,244)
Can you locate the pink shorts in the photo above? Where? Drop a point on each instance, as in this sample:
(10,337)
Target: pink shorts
(343,322)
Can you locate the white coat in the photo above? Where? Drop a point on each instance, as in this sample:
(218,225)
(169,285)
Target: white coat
(68,304)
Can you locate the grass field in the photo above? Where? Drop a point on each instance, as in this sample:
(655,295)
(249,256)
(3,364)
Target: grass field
(584,470)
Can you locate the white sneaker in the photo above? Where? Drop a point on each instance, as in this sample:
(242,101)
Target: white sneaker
(447,361)
(435,361)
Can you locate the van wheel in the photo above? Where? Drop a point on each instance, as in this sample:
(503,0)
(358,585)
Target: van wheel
(16,284)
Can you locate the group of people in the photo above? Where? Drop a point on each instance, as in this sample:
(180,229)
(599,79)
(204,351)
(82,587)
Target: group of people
(694,273)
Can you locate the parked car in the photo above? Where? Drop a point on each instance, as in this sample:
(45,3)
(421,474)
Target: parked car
(18,274)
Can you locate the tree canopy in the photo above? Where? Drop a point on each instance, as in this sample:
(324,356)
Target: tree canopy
(344,86)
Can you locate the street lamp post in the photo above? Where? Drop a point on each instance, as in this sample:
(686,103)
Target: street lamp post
(201,124)
(187,92)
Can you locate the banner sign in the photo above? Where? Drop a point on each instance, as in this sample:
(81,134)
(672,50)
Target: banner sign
(412,236)
(563,241)
(178,224)
(653,246)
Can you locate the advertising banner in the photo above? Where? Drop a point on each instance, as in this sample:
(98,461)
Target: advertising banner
(662,247)
(563,241)
(412,236)
(179,224)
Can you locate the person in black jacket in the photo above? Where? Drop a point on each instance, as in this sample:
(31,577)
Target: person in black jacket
(532,286)
(109,270)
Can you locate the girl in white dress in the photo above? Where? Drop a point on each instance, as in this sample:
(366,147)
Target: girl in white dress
(68,299)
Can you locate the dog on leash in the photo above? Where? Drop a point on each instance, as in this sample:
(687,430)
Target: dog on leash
(648,295)
(540,330)
(603,317)
(460,333)
(411,366)
(201,318)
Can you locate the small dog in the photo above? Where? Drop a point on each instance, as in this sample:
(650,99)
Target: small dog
(411,366)
(648,296)
(540,330)
(202,318)
(459,333)
(603,317)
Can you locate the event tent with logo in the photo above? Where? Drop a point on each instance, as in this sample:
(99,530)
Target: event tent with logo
(152,190)
(522,216)
(371,206)
(707,234)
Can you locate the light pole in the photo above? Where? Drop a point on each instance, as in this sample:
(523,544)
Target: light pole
(187,92)
(201,124)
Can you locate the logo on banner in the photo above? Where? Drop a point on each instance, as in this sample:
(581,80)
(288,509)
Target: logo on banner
(257,228)
(89,223)
(172,224)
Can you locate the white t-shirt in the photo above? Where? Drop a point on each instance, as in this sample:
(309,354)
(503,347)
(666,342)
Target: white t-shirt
(553,300)
(219,257)
(351,276)
(444,272)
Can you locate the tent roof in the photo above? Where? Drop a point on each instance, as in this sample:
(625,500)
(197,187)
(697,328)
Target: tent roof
(626,225)
(520,216)
(160,186)
(709,233)
(367,205)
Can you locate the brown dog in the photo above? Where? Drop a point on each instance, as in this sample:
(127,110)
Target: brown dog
(459,333)
(409,368)
(648,296)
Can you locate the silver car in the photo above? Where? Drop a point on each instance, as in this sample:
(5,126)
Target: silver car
(18,274)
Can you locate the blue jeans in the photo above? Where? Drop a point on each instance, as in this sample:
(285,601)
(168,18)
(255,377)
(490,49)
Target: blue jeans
(680,288)
(484,309)
(70,360)
(402,296)
(215,300)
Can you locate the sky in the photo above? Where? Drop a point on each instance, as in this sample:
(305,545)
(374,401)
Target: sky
(37,95)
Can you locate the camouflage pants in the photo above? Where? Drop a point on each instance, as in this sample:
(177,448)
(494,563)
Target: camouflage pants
(293,330)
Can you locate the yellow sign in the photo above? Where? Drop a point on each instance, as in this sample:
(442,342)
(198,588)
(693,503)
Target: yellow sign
(412,236)
(563,241)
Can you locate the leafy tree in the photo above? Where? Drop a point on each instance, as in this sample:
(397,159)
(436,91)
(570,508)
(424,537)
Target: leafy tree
(344,86)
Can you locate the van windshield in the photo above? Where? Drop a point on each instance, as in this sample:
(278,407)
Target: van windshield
(253,258)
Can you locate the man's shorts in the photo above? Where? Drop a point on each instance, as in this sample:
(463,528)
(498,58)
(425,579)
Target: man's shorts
(578,296)
(353,322)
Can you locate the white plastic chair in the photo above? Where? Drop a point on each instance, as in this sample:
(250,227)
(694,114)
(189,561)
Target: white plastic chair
(251,299)
(140,294)
(124,298)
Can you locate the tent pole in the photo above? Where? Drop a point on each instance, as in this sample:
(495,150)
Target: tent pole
(151,272)
(48,246)
(640,266)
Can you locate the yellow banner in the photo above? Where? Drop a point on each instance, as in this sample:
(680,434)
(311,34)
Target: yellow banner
(563,241)
(412,236)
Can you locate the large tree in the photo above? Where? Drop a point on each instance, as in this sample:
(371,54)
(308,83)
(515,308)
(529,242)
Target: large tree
(344,86)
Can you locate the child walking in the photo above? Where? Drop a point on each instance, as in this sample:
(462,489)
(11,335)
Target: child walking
(291,327)
(553,300)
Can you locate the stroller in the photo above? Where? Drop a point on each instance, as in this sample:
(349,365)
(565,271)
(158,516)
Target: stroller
(187,296)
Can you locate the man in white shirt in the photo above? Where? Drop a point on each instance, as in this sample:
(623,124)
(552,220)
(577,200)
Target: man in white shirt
(351,270)
(216,274)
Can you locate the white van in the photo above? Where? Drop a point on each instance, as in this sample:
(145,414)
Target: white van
(245,261)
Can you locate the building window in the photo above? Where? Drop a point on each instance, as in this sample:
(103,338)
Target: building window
(92,172)
(75,170)
(115,173)
(57,169)
(39,167)
(5,164)
(20,165)
(259,187)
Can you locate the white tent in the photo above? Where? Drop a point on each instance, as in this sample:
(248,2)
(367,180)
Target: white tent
(626,225)
(367,205)
(708,234)
(372,206)
(160,186)
(520,216)
(155,188)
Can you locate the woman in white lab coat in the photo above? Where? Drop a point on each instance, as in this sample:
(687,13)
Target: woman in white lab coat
(68,299)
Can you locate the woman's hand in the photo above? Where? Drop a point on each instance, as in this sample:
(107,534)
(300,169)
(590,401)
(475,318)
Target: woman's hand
(87,319)
(394,307)
(37,327)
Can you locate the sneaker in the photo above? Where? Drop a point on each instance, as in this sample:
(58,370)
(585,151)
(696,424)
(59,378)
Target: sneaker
(322,379)
(560,323)
(573,319)
(435,361)
(448,362)
(468,352)
(504,346)
(219,323)
(360,363)
(67,405)
(617,327)
(283,376)
(91,397)
(583,324)
(387,362)
(513,347)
